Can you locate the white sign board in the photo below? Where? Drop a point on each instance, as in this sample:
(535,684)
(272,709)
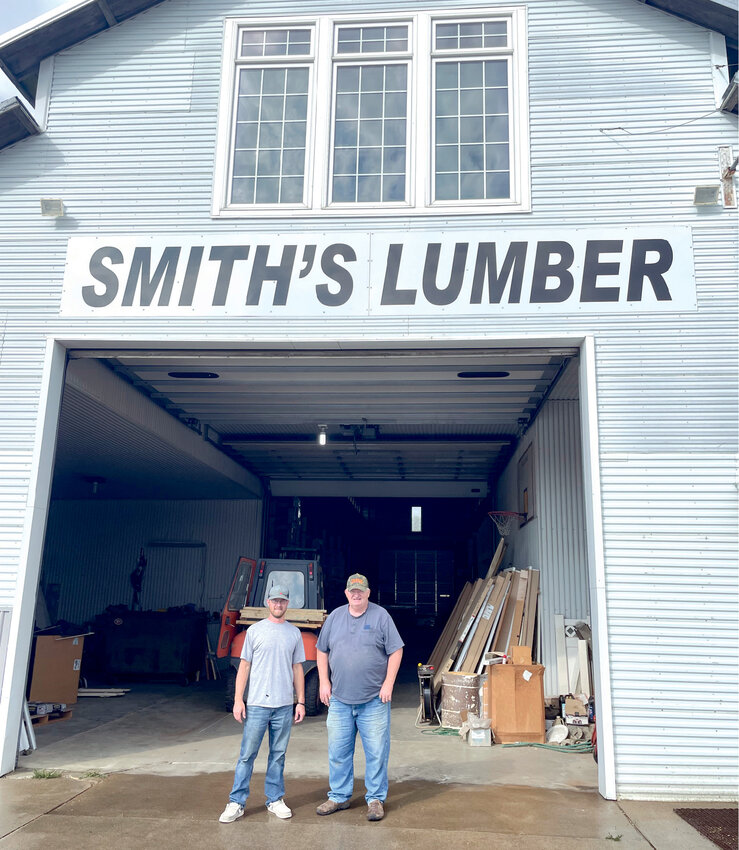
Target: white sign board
(600,271)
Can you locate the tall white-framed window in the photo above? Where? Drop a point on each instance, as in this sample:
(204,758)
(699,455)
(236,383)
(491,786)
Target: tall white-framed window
(366,114)
(370,115)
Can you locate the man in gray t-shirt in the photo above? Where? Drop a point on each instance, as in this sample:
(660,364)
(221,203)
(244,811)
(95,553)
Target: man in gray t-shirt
(362,648)
(271,661)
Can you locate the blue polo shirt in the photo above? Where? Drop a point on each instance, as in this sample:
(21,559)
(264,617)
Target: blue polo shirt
(357,649)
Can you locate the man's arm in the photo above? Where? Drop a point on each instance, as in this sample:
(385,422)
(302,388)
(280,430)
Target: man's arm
(393,665)
(242,677)
(299,683)
(324,683)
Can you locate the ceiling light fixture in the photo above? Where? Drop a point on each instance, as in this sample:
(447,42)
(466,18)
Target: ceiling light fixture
(483,374)
(322,438)
(95,481)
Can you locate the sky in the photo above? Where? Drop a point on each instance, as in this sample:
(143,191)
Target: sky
(13,13)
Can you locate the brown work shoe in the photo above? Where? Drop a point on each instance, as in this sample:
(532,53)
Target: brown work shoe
(375,810)
(331,806)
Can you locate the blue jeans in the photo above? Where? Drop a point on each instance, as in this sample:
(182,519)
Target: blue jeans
(258,719)
(372,721)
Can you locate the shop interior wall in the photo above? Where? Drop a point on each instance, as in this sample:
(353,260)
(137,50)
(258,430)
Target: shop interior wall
(191,549)
(553,539)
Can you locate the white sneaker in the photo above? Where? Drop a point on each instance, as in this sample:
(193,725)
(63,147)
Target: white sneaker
(232,812)
(280,809)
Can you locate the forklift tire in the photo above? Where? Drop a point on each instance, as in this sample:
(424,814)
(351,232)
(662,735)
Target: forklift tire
(230,694)
(313,704)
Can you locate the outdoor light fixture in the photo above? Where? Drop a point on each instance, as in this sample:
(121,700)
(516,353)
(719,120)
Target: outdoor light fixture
(52,207)
(322,435)
(706,196)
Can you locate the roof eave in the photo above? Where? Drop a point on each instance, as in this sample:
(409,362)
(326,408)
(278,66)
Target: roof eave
(16,122)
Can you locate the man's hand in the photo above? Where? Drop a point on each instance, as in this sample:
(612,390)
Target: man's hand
(239,711)
(299,712)
(325,693)
(386,692)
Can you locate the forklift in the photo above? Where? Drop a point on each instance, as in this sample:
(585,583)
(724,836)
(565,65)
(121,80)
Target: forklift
(247,604)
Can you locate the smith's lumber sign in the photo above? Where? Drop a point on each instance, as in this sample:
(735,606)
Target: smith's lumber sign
(589,270)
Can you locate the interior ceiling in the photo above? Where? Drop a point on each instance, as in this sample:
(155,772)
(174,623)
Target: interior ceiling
(390,416)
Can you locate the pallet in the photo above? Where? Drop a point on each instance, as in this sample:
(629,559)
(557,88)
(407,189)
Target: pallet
(54,717)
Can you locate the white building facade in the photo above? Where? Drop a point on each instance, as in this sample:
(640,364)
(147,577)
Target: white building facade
(249,175)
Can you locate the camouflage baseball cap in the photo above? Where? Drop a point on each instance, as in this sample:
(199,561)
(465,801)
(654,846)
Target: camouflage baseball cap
(357,582)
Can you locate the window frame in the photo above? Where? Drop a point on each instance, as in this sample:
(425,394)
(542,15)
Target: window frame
(405,58)
(420,132)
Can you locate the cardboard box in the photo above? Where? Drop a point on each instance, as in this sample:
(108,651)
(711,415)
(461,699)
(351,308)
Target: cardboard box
(521,654)
(516,703)
(56,668)
(479,738)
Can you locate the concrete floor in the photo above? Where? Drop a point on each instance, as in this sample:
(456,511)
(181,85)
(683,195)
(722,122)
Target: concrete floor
(154,768)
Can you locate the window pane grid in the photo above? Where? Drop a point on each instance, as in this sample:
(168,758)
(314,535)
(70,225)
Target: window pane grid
(472,151)
(275,42)
(471,35)
(372,39)
(370,119)
(269,150)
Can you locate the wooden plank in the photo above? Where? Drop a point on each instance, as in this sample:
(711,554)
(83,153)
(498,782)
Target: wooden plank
(515,638)
(532,599)
(497,560)
(563,678)
(582,655)
(496,621)
(314,616)
(446,657)
(487,590)
(485,623)
(451,627)
(503,632)
(460,635)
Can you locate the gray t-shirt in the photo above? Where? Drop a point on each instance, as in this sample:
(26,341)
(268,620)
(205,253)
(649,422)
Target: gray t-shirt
(272,649)
(357,649)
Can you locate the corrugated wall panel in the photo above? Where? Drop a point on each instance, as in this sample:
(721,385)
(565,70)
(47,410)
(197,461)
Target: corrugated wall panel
(554,541)
(559,491)
(670,545)
(623,127)
(92,547)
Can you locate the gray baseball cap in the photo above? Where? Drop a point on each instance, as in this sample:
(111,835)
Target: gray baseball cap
(279,591)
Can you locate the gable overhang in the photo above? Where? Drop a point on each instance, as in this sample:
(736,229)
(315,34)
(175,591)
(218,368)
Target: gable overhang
(16,122)
(23,49)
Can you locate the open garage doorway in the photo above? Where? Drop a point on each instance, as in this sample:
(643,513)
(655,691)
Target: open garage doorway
(190,459)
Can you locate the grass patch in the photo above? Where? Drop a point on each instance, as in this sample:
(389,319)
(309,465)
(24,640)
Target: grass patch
(610,837)
(93,774)
(41,773)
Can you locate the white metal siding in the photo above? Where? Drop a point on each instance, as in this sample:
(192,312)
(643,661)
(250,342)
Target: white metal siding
(670,543)
(554,540)
(92,547)
(666,383)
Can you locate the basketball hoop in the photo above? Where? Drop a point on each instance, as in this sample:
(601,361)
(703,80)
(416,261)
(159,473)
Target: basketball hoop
(505,521)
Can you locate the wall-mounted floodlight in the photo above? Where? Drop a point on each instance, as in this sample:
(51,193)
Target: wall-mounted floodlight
(52,207)
(706,196)
(322,435)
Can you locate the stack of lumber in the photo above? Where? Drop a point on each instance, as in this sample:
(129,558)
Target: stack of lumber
(303,618)
(102,693)
(493,614)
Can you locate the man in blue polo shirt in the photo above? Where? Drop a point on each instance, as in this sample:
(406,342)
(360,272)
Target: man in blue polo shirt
(362,648)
